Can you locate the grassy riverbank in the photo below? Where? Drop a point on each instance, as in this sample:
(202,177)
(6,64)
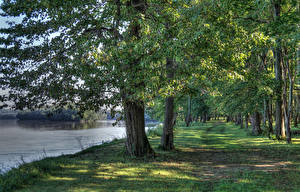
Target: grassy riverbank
(211,157)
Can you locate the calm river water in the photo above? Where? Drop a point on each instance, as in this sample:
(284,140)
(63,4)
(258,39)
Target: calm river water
(26,141)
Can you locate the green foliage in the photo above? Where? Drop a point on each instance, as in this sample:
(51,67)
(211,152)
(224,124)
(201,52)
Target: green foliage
(88,53)
(93,116)
(52,115)
(156,131)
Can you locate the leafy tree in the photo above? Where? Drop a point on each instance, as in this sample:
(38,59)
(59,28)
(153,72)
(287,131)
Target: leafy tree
(88,53)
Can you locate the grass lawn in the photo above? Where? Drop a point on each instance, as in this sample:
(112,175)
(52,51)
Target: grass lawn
(209,157)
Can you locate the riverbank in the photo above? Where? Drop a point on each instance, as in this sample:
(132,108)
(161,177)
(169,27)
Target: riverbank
(210,157)
(27,141)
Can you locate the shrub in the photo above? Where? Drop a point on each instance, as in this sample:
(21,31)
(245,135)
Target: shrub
(155,131)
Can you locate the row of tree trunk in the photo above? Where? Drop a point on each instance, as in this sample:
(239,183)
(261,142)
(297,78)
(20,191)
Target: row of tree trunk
(137,143)
(266,120)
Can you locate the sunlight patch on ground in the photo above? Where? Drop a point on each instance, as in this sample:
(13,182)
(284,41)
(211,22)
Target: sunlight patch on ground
(105,176)
(72,166)
(163,173)
(132,171)
(174,164)
(82,171)
(171,174)
(244,181)
(61,179)
(284,163)
(220,166)
(296,140)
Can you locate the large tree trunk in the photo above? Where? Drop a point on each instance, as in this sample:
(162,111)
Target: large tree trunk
(255,123)
(167,137)
(137,143)
(278,75)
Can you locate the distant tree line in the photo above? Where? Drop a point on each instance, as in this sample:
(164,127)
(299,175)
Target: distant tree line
(56,115)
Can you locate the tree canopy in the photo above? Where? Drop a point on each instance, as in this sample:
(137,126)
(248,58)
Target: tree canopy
(226,57)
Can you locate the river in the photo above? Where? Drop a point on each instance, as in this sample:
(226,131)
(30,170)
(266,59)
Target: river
(27,141)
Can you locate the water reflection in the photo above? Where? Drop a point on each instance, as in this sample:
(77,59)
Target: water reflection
(50,125)
(47,125)
(30,139)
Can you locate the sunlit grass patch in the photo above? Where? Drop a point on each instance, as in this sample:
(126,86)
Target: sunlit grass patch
(61,179)
(208,157)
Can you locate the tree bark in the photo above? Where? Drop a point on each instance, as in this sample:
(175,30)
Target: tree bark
(188,117)
(238,119)
(297,95)
(167,138)
(242,123)
(296,120)
(246,121)
(282,131)
(269,117)
(265,114)
(204,117)
(137,143)
(287,100)
(297,107)
(278,75)
(255,123)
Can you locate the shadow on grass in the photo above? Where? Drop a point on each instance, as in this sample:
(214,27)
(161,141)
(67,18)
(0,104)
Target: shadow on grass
(214,157)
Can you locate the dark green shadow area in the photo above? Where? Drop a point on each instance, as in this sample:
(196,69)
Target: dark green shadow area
(209,157)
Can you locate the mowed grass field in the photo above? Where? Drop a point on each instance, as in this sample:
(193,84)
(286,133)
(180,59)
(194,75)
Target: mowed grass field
(209,157)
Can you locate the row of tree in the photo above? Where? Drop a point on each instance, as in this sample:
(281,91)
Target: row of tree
(215,56)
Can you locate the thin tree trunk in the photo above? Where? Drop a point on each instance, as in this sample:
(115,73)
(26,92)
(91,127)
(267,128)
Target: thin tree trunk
(282,132)
(297,96)
(238,119)
(204,118)
(246,121)
(297,107)
(297,103)
(242,123)
(288,102)
(265,114)
(269,117)
(188,117)
(227,119)
(278,75)
(167,138)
